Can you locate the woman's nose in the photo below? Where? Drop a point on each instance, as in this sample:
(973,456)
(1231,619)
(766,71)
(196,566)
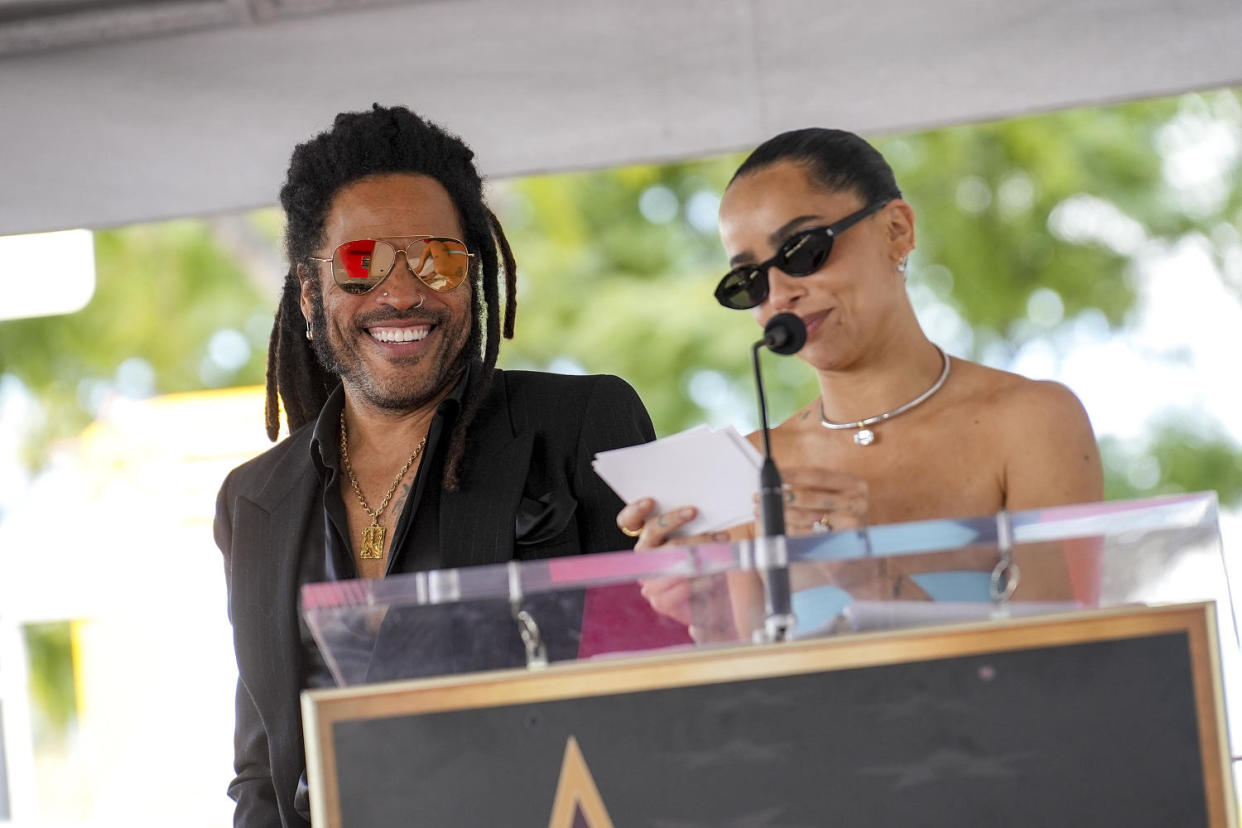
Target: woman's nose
(784,291)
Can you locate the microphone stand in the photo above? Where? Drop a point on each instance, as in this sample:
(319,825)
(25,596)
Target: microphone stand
(771,555)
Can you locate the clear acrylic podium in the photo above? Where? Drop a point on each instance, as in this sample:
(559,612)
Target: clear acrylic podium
(1020,669)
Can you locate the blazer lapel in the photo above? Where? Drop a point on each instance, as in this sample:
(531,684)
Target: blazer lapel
(477,521)
(269,534)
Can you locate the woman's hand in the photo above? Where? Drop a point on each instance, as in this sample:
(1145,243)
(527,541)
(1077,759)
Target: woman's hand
(819,500)
(685,600)
(638,520)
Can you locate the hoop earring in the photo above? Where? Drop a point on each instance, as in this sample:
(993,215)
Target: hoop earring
(309,334)
(421,299)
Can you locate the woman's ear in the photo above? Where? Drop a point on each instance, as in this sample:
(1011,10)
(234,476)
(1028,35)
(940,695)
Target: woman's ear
(899,224)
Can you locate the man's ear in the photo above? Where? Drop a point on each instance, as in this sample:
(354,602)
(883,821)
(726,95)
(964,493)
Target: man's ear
(899,224)
(304,298)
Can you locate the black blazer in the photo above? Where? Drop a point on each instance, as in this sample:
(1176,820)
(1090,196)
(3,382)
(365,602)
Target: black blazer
(528,491)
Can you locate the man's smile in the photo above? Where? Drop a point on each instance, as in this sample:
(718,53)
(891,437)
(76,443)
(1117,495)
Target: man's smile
(391,334)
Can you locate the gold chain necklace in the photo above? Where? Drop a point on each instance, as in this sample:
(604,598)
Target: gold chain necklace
(373,536)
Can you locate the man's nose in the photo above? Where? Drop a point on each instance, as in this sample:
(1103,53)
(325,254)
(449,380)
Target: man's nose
(402,289)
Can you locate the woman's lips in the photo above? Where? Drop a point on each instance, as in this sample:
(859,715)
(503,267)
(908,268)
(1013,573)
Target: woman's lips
(814,320)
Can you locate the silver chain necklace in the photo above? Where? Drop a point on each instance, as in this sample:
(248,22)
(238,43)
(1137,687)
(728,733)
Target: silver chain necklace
(865,435)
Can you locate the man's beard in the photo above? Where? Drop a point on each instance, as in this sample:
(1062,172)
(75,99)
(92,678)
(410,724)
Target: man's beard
(442,367)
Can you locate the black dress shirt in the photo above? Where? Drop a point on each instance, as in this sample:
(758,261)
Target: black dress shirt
(415,545)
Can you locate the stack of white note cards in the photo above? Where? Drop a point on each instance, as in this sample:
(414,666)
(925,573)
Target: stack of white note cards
(715,470)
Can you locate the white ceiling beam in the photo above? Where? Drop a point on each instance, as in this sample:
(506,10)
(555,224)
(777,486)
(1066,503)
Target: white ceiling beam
(204,121)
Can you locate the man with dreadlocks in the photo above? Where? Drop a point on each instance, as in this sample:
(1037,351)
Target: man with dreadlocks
(409,450)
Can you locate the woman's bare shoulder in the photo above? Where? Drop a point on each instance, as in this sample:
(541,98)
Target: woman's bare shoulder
(1042,433)
(1009,395)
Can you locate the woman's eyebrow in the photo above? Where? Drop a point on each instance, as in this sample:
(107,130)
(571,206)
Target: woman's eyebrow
(777,236)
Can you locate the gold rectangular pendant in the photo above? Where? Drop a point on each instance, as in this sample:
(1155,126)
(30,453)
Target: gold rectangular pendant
(372,542)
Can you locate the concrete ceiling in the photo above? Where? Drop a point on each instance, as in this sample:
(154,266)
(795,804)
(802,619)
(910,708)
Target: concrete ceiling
(117,111)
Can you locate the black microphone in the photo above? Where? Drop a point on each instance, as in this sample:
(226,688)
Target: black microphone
(785,334)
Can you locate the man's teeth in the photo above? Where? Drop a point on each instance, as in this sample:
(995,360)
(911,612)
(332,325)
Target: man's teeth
(400,334)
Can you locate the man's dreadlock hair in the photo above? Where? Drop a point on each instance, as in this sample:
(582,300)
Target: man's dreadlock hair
(362,144)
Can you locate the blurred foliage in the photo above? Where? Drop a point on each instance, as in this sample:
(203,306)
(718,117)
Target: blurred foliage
(1179,458)
(618,266)
(163,291)
(616,292)
(49,648)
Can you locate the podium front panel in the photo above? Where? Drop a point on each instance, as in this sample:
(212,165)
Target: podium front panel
(1103,718)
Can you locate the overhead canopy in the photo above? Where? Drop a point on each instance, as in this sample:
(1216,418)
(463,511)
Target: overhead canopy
(117,111)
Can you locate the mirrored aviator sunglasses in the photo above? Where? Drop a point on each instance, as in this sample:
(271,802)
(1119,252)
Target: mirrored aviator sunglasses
(801,254)
(439,262)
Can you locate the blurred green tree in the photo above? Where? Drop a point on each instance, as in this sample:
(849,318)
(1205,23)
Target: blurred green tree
(173,310)
(49,648)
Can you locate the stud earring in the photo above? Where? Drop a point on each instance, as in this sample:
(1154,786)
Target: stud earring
(903,264)
(309,335)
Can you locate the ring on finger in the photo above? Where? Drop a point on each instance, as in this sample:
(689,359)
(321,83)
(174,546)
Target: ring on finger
(821,526)
(630,533)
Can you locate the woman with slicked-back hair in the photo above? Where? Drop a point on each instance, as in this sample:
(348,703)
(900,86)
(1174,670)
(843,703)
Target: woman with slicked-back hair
(814,225)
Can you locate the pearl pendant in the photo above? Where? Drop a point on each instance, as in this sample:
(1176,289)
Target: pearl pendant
(864,437)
